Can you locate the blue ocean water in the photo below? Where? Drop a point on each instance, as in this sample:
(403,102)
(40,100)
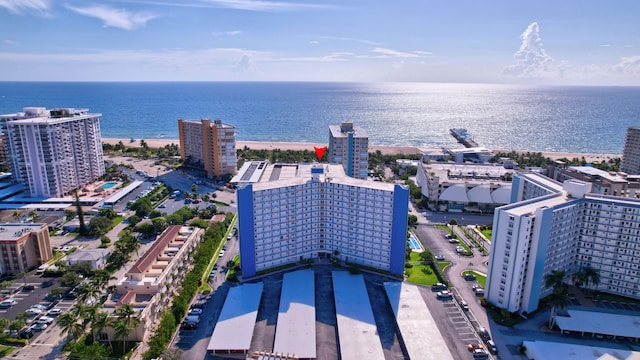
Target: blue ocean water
(573,119)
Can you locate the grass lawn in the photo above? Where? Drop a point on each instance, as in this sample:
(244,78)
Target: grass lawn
(486,233)
(6,350)
(420,274)
(481,279)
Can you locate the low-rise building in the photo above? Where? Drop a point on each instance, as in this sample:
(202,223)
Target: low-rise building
(149,285)
(464,187)
(96,258)
(23,247)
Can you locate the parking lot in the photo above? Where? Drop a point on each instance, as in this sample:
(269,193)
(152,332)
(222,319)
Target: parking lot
(614,305)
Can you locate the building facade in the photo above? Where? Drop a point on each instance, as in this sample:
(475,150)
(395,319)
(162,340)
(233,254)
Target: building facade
(23,247)
(631,152)
(52,152)
(209,145)
(321,213)
(566,229)
(349,146)
(150,284)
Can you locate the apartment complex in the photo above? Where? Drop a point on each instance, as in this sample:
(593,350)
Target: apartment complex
(23,247)
(149,285)
(52,152)
(300,212)
(349,146)
(631,152)
(209,145)
(464,187)
(554,226)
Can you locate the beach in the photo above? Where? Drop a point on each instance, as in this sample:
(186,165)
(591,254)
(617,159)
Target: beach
(386,150)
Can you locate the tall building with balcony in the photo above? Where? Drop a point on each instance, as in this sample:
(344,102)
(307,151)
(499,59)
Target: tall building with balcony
(296,212)
(209,145)
(52,152)
(23,246)
(631,152)
(349,146)
(566,227)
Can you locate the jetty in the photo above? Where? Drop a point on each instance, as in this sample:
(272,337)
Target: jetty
(463,137)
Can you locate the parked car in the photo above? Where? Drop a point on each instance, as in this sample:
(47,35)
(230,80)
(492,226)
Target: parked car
(469,277)
(438,287)
(454,241)
(484,334)
(28,288)
(492,347)
(25,333)
(5,304)
(54,312)
(195,311)
(473,346)
(33,311)
(479,291)
(44,320)
(464,306)
(39,327)
(480,354)
(440,257)
(221,253)
(445,294)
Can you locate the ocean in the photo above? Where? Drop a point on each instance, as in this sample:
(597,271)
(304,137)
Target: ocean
(508,117)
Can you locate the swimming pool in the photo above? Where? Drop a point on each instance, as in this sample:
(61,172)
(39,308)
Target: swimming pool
(414,244)
(109,185)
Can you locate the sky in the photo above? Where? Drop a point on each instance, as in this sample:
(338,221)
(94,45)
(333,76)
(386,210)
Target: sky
(569,42)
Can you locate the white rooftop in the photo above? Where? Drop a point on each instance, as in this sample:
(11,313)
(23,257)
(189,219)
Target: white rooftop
(123,192)
(545,350)
(234,328)
(357,331)
(296,326)
(419,331)
(600,323)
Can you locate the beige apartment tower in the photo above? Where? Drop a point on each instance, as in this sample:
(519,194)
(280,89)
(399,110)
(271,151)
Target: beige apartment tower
(631,153)
(349,146)
(209,145)
(23,247)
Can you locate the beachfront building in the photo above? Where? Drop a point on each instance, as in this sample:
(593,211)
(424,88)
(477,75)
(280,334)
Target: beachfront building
(561,226)
(208,145)
(52,152)
(295,212)
(464,187)
(23,247)
(149,285)
(631,152)
(603,182)
(349,146)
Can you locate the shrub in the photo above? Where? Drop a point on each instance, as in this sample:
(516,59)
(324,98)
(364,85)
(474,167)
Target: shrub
(408,265)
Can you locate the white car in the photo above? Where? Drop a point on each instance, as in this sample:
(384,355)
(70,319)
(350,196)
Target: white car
(195,311)
(39,327)
(221,253)
(5,304)
(54,312)
(33,311)
(44,320)
(39,306)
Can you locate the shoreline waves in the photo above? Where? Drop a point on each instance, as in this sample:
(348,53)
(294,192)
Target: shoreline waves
(387,150)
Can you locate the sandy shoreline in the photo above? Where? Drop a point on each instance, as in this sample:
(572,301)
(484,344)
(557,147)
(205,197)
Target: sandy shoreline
(387,150)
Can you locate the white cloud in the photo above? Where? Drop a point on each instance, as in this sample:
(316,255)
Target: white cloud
(314,42)
(26,6)
(363,41)
(9,42)
(532,61)
(394,53)
(118,18)
(628,66)
(248,5)
(227,33)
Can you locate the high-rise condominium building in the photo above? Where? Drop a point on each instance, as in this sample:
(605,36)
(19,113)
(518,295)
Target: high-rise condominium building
(553,226)
(210,145)
(302,212)
(349,146)
(631,153)
(52,152)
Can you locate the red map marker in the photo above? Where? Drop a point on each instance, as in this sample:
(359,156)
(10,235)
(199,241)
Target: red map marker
(320,151)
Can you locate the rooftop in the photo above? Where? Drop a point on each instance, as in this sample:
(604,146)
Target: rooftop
(12,232)
(600,323)
(546,350)
(234,328)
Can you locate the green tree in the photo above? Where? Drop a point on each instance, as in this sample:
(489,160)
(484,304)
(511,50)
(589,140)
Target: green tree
(87,291)
(83,228)
(21,275)
(70,279)
(100,225)
(4,323)
(17,324)
(559,298)
(108,213)
(593,276)
(413,220)
(146,229)
(101,321)
(159,224)
(69,325)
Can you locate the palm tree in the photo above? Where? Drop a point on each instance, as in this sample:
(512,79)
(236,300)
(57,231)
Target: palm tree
(16,215)
(88,291)
(579,278)
(67,323)
(125,318)
(101,279)
(121,330)
(559,297)
(101,321)
(34,215)
(592,275)
(22,275)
